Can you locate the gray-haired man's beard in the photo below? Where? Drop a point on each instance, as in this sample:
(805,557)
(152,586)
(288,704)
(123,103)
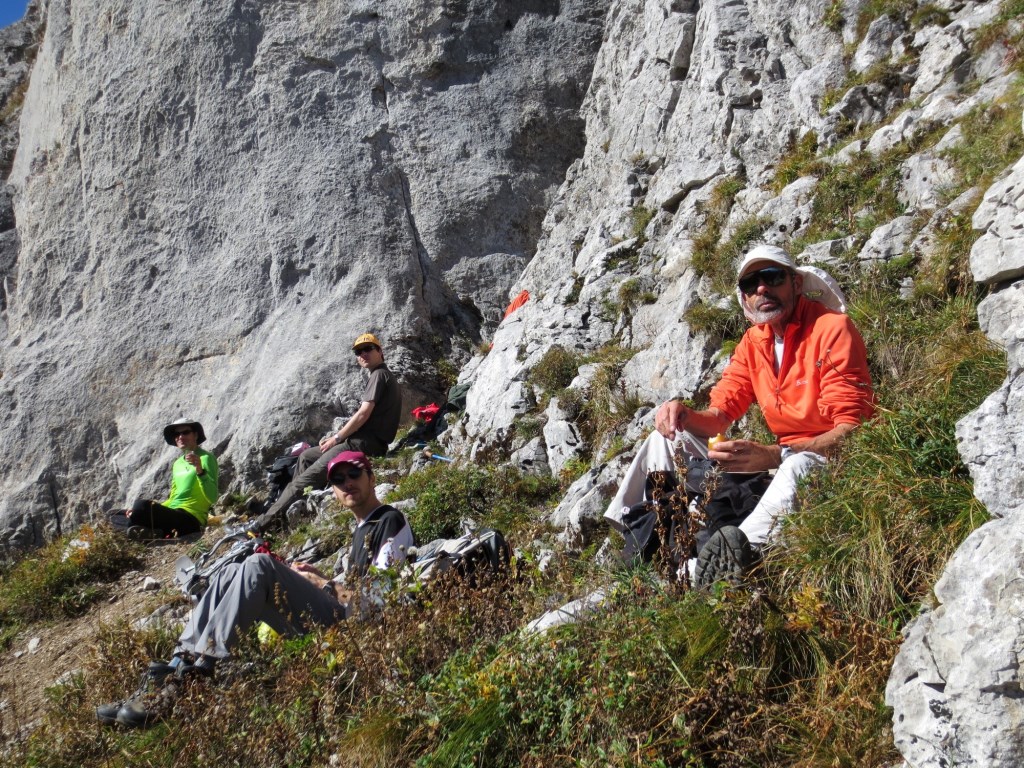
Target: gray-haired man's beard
(760,317)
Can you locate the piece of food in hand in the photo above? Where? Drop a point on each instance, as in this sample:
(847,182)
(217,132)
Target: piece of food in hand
(713,441)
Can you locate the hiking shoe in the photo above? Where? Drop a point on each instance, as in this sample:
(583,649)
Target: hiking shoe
(152,679)
(726,557)
(142,533)
(147,707)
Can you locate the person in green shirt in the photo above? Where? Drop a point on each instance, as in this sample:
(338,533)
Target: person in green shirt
(193,488)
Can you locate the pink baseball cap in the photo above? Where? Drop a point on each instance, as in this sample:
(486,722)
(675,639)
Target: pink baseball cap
(356,458)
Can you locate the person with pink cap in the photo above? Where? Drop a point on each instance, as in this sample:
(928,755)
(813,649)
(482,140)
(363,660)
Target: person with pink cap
(290,598)
(804,363)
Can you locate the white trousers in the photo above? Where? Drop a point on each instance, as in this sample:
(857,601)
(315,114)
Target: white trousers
(658,454)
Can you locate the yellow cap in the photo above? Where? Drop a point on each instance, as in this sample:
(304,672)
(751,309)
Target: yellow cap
(366,338)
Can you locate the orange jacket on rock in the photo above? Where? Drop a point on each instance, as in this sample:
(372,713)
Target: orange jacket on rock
(823,380)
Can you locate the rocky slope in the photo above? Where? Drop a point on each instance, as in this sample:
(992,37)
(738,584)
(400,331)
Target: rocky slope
(213,200)
(686,96)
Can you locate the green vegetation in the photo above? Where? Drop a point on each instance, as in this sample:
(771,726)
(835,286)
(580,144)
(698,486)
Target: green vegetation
(725,322)
(574,292)
(446,494)
(833,17)
(633,293)
(556,369)
(991,140)
(62,579)
(801,159)
(640,216)
(706,258)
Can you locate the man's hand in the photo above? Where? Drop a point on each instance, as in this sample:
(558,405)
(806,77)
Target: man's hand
(192,459)
(671,417)
(310,573)
(745,456)
(675,416)
(328,442)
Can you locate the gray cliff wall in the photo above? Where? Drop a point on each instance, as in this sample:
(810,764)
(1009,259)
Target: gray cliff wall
(213,199)
(957,686)
(685,95)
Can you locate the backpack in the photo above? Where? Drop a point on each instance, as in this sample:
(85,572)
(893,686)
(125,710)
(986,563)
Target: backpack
(469,555)
(281,472)
(194,577)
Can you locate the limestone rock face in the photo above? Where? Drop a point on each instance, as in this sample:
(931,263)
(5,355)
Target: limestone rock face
(214,199)
(956,686)
(683,96)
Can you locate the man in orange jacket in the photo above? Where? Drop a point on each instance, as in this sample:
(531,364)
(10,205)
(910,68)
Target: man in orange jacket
(804,363)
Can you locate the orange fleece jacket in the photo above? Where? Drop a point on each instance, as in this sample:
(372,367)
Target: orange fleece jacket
(823,380)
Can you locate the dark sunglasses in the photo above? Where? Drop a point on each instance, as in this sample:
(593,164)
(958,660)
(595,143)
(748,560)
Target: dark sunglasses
(363,350)
(772,277)
(337,478)
(184,432)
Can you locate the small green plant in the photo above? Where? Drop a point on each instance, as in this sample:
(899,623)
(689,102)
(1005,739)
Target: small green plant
(715,320)
(447,374)
(633,293)
(800,159)
(528,427)
(833,16)
(929,14)
(572,470)
(640,216)
(555,370)
(574,293)
(706,258)
(874,9)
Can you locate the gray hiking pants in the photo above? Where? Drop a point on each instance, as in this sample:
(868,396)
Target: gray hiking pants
(257,589)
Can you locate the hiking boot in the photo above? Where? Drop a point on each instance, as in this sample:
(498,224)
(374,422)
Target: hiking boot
(145,708)
(152,679)
(726,557)
(142,533)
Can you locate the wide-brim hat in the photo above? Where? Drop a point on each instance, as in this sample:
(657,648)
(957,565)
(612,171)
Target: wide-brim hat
(818,285)
(170,429)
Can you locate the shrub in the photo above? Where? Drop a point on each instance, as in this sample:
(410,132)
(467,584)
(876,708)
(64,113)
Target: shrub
(555,370)
(445,494)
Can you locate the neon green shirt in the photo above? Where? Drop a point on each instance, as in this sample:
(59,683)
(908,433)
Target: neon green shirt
(191,492)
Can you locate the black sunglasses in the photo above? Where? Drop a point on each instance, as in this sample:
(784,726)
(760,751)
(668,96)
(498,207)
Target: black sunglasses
(363,350)
(184,432)
(772,277)
(337,478)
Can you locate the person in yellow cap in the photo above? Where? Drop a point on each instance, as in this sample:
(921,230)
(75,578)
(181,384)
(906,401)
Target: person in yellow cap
(369,430)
